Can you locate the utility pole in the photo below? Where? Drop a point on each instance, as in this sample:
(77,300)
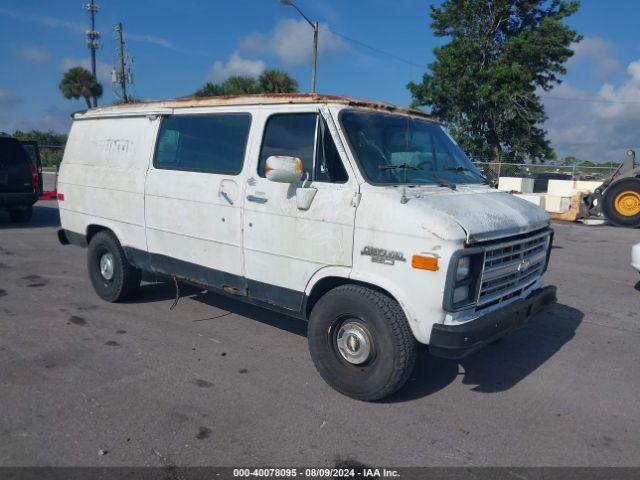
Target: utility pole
(313,25)
(93,40)
(123,74)
(315,57)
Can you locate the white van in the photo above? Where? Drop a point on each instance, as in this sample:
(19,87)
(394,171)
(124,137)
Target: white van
(363,218)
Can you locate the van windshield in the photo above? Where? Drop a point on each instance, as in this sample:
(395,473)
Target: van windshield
(399,149)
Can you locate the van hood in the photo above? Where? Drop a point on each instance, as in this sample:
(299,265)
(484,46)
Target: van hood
(482,212)
(488,215)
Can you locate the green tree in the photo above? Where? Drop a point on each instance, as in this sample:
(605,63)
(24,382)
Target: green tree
(270,81)
(277,81)
(236,85)
(241,85)
(79,82)
(570,160)
(210,90)
(483,83)
(51,145)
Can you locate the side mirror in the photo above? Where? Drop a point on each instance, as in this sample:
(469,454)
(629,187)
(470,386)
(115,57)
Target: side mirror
(284,169)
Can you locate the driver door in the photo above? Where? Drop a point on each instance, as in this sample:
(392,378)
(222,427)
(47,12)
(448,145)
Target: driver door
(283,245)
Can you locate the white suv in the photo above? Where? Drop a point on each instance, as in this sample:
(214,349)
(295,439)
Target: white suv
(363,218)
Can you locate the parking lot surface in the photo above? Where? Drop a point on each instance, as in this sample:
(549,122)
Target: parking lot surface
(217,382)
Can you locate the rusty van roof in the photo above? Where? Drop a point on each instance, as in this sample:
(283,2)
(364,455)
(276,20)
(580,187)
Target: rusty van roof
(256,99)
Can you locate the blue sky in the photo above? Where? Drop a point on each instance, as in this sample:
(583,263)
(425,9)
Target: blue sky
(178,45)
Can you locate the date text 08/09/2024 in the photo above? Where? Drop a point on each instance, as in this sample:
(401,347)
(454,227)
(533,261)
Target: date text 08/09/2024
(360,472)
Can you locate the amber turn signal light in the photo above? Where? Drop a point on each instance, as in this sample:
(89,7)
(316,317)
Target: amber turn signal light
(425,263)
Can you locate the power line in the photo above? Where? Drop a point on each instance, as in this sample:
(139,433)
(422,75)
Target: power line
(375,49)
(414,64)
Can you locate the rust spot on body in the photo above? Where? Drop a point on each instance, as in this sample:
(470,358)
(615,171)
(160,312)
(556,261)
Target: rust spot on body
(260,99)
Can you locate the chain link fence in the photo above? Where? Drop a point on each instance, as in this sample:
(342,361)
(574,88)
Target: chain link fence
(51,156)
(577,171)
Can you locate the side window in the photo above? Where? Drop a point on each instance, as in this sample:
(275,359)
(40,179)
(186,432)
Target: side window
(213,143)
(297,135)
(329,166)
(289,134)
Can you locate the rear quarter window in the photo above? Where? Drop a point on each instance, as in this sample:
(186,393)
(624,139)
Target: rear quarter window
(211,143)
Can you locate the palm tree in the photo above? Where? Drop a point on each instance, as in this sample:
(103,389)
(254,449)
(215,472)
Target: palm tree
(210,90)
(277,81)
(79,82)
(240,85)
(270,81)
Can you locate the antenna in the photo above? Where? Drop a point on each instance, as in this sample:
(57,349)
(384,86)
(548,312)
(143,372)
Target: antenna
(93,39)
(123,74)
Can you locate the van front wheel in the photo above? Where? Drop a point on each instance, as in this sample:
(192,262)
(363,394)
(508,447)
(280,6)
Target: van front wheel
(113,278)
(361,343)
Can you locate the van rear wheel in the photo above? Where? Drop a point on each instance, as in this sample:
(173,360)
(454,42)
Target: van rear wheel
(113,278)
(361,343)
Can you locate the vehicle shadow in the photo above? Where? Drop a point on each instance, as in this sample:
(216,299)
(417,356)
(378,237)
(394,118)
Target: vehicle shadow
(42,217)
(163,290)
(499,366)
(495,368)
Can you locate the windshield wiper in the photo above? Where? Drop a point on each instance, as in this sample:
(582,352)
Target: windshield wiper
(407,166)
(444,183)
(461,168)
(440,182)
(403,166)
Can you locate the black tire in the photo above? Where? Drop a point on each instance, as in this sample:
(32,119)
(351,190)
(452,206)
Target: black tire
(610,206)
(393,352)
(21,214)
(124,280)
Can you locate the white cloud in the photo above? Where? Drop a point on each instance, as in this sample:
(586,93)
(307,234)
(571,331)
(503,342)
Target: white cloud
(160,42)
(597,52)
(103,70)
(44,20)
(236,65)
(625,100)
(35,54)
(291,41)
(597,127)
(82,28)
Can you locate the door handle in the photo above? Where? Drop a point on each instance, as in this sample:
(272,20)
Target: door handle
(253,198)
(225,195)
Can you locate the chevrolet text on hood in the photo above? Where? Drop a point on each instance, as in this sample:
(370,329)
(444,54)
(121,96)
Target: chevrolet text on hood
(362,218)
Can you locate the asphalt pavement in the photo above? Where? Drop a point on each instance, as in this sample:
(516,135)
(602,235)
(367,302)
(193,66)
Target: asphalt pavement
(217,382)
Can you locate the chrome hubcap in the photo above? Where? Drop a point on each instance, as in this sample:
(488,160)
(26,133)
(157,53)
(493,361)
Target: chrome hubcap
(354,342)
(106,266)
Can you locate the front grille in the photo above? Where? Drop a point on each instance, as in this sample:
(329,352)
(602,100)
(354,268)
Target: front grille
(511,266)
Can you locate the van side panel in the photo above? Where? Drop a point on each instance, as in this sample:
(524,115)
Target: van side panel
(102,177)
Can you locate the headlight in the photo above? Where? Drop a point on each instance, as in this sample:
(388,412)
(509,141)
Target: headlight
(464,268)
(463,279)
